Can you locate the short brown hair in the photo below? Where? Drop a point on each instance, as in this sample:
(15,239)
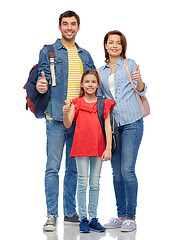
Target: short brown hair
(69,14)
(123,42)
(89,72)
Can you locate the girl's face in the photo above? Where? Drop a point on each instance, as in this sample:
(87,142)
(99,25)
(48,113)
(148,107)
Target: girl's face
(114,46)
(90,84)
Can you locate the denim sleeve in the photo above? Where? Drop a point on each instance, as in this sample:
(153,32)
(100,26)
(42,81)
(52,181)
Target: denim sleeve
(92,62)
(43,64)
(132,66)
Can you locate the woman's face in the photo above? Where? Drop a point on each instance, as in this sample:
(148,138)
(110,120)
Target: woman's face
(114,46)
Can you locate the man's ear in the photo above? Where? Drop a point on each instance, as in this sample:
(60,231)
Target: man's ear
(59,27)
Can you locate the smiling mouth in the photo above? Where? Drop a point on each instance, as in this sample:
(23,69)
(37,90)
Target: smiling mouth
(69,33)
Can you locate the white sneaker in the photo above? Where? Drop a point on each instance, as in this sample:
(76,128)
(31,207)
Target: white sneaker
(128,226)
(114,223)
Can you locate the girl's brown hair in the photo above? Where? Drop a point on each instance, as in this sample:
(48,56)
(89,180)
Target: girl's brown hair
(89,72)
(123,42)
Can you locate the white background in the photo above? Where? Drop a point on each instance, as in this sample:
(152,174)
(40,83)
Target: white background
(152,32)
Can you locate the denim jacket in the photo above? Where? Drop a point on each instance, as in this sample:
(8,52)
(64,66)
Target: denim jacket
(58,93)
(127,108)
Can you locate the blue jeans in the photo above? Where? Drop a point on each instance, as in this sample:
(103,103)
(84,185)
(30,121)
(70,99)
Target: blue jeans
(83,164)
(123,164)
(57,136)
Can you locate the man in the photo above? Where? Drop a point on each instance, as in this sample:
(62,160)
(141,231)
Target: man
(70,62)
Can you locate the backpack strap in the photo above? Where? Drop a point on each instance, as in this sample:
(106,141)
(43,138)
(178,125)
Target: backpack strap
(100,110)
(51,54)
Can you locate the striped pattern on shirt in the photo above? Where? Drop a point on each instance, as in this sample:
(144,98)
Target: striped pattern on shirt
(75,73)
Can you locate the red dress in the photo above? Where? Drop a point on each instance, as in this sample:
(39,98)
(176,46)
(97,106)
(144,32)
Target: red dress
(88,136)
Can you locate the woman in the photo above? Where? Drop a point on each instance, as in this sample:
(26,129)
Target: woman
(129,118)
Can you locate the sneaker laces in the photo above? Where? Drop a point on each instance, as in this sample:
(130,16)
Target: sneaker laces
(113,220)
(98,222)
(128,222)
(50,219)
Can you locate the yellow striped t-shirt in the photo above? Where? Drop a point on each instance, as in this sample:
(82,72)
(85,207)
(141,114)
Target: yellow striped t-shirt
(75,72)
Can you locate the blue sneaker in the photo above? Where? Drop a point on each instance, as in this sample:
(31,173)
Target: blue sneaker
(51,223)
(72,219)
(96,226)
(84,226)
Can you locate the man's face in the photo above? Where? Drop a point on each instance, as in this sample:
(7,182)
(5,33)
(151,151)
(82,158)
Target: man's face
(69,28)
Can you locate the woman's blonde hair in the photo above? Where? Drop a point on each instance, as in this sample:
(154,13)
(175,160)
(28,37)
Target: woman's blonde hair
(89,72)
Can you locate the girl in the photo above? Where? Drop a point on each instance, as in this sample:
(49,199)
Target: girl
(129,117)
(88,146)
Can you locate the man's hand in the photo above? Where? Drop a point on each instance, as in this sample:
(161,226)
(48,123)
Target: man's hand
(41,85)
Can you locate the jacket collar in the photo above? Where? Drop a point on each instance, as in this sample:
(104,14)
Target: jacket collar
(60,45)
(119,61)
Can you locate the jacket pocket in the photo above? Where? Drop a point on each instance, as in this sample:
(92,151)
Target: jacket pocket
(58,65)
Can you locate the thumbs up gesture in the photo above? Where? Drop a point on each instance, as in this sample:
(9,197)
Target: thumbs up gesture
(137,77)
(136,74)
(41,85)
(66,107)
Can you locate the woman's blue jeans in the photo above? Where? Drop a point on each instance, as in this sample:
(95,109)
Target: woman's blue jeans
(123,164)
(57,137)
(83,164)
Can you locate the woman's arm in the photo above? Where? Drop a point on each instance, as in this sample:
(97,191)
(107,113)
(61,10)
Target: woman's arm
(68,114)
(108,131)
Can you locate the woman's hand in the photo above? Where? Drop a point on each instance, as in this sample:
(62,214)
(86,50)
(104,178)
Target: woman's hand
(137,77)
(106,156)
(136,74)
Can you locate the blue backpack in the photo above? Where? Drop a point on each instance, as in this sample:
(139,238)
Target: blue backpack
(36,101)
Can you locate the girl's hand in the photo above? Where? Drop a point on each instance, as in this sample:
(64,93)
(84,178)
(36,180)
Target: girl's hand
(106,156)
(66,107)
(136,74)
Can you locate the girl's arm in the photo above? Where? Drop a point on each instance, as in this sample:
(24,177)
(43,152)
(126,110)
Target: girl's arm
(107,153)
(68,114)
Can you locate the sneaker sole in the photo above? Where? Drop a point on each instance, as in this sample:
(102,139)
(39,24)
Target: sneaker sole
(71,223)
(93,230)
(112,227)
(128,230)
(49,229)
(85,231)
